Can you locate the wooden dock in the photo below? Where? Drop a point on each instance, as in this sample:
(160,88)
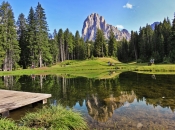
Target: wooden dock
(10,100)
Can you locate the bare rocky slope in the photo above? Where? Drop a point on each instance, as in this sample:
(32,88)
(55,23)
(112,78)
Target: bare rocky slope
(95,21)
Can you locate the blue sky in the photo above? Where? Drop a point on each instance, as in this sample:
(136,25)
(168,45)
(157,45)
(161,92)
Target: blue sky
(130,14)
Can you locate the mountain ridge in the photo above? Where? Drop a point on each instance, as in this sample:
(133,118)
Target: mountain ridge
(94,21)
(154,24)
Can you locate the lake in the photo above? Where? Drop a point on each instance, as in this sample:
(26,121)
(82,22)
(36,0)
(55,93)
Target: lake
(127,101)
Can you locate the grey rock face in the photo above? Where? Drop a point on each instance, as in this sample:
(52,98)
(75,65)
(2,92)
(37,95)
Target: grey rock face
(94,22)
(154,24)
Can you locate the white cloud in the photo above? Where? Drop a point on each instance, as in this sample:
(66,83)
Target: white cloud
(128,5)
(120,26)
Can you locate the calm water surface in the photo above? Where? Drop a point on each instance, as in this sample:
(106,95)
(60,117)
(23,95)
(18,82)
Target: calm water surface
(128,101)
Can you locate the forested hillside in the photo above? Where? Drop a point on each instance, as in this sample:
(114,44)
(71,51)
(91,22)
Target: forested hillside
(158,44)
(27,42)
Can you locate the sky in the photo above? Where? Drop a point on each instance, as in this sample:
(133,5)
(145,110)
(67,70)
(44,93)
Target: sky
(128,14)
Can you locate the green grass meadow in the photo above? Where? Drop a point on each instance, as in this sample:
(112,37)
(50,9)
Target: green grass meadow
(96,68)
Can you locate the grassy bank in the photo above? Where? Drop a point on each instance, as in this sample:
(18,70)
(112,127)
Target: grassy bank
(96,68)
(51,118)
(7,124)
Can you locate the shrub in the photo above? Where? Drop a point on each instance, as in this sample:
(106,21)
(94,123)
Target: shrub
(92,57)
(139,61)
(166,60)
(7,124)
(55,118)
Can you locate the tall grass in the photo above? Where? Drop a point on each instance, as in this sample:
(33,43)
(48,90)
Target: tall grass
(48,118)
(55,118)
(7,124)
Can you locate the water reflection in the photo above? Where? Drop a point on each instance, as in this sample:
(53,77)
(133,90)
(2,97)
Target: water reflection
(130,100)
(102,110)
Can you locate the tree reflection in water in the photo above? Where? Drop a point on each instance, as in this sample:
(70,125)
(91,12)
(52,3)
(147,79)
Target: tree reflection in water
(104,99)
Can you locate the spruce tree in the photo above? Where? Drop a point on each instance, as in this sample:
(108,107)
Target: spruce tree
(132,48)
(172,50)
(112,44)
(70,46)
(22,39)
(67,41)
(61,45)
(3,34)
(53,47)
(44,55)
(8,42)
(77,45)
(31,38)
(82,51)
(166,32)
(142,43)
(99,43)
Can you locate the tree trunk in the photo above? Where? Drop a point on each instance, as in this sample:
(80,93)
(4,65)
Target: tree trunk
(40,59)
(41,82)
(5,63)
(64,87)
(135,52)
(61,51)
(11,62)
(8,81)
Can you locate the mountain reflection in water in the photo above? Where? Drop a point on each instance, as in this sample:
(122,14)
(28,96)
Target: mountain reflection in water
(102,110)
(128,101)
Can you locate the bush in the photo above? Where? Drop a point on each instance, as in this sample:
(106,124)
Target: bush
(55,118)
(92,57)
(7,124)
(50,118)
(139,61)
(166,60)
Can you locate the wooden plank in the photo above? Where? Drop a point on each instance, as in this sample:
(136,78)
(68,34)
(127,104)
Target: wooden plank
(10,100)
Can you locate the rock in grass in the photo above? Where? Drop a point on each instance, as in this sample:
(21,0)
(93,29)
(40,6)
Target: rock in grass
(139,125)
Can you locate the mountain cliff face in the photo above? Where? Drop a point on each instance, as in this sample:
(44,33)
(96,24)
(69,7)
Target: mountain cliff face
(154,24)
(94,22)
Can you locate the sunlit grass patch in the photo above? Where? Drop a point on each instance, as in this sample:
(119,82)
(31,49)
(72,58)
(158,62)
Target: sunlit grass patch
(92,68)
(7,124)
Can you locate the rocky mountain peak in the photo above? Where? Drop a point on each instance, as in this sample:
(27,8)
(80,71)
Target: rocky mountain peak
(154,24)
(94,22)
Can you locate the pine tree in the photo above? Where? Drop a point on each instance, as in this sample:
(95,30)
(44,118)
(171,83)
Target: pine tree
(67,42)
(133,46)
(53,43)
(112,44)
(90,49)
(70,46)
(172,50)
(61,44)
(142,43)
(9,42)
(166,32)
(148,42)
(44,55)
(123,51)
(99,43)
(3,34)
(77,45)
(31,38)
(82,49)
(22,39)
